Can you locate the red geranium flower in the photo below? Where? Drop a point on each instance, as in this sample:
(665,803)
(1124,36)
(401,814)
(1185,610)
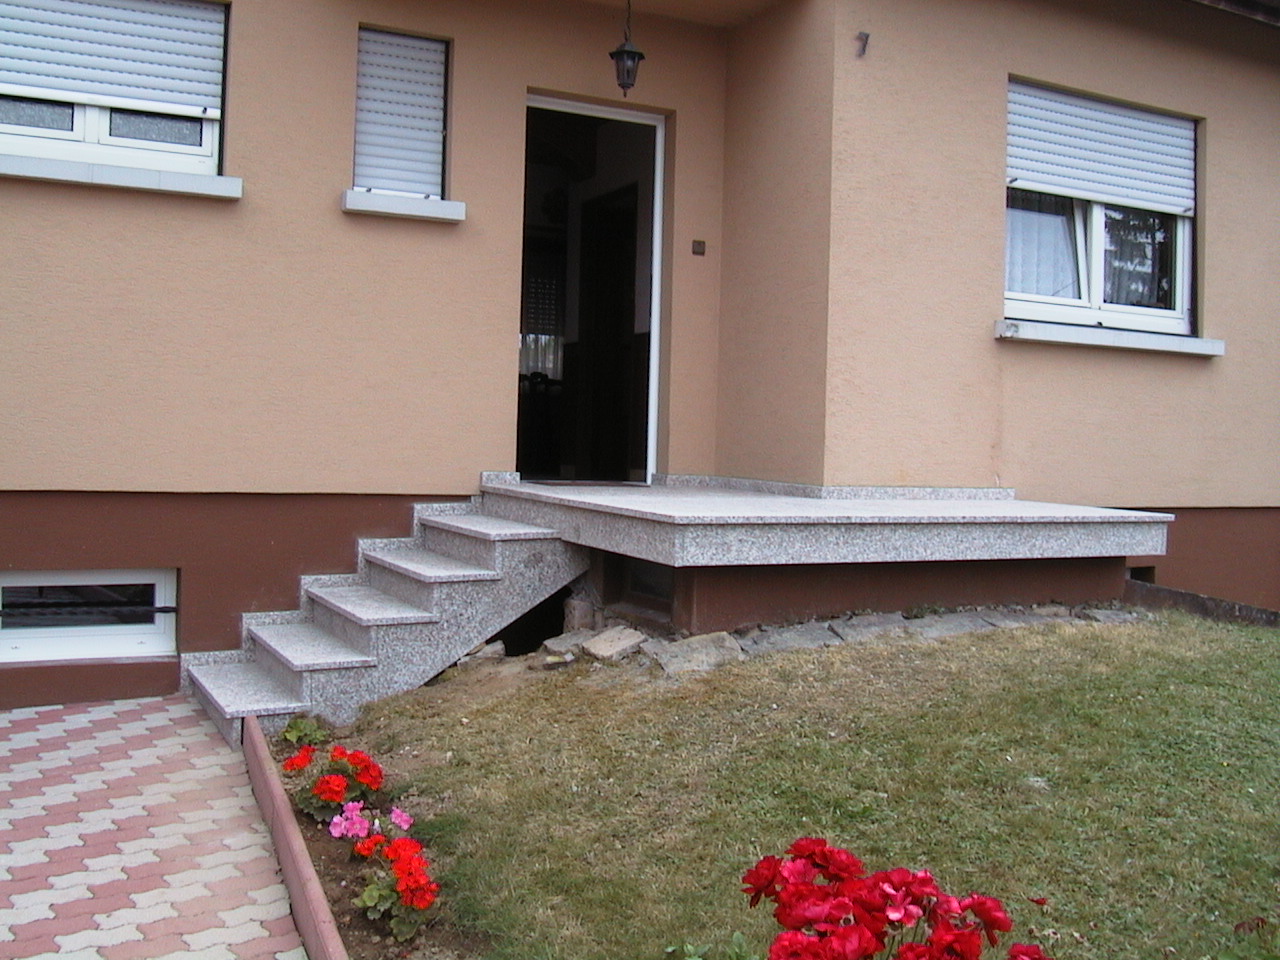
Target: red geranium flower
(369,845)
(401,848)
(370,775)
(420,897)
(358,758)
(332,787)
(300,760)
(339,752)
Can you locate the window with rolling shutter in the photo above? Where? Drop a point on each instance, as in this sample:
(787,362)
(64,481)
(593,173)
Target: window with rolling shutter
(120,82)
(400,101)
(1099,212)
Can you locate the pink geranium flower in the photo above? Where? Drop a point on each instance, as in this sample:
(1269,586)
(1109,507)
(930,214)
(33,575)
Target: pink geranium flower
(401,819)
(351,823)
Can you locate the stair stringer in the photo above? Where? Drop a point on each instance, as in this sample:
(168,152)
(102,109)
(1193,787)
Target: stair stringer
(468,613)
(421,626)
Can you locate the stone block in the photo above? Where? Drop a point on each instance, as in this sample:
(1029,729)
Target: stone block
(569,643)
(868,626)
(1110,616)
(486,651)
(614,643)
(579,615)
(1006,619)
(949,625)
(1052,610)
(803,636)
(703,652)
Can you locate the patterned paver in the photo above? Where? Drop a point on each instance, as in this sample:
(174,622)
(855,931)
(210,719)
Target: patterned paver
(128,831)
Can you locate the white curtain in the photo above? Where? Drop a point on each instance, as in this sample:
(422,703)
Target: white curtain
(1040,250)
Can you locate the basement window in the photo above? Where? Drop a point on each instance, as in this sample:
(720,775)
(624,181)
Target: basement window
(87,615)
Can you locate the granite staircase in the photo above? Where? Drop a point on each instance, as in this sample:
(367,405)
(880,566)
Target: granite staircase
(414,607)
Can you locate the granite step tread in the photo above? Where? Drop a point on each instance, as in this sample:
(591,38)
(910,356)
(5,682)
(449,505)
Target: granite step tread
(369,607)
(485,527)
(304,646)
(241,689)
(413,561)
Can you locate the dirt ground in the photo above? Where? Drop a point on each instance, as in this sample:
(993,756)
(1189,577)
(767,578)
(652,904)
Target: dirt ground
(339,870)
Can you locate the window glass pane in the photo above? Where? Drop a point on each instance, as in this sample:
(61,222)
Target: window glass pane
(45,114)
(1138,260)
(156,127)
(1040,245)
(86,605)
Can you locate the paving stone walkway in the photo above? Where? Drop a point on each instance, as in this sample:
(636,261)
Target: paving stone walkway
(128,829)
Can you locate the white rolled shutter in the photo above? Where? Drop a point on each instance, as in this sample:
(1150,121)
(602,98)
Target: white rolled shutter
(400,114)
(1078,147)
(156,51)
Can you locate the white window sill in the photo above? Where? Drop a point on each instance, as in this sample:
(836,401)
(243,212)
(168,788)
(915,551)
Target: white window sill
(415,208)
(128,178)
(1039,332)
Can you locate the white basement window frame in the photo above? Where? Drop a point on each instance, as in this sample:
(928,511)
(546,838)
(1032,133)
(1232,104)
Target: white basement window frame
(132,84)
(128,625)
(400,128)
(1100,213)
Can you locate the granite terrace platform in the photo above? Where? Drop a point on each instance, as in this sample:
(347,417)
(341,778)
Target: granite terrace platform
(710,522)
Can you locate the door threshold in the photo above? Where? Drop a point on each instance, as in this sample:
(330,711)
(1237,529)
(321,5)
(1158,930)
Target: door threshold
(588,483)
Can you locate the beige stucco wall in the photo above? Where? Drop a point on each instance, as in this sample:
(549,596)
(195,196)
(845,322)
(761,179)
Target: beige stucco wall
(275,344)
(919,391)
(838,330)
(773,339)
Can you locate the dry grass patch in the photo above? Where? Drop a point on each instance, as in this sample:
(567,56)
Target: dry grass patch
(1129,774)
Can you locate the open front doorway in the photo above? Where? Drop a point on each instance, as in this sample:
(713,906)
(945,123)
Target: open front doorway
(588,312)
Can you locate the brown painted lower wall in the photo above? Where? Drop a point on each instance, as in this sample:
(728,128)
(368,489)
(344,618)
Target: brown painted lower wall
(80,681)
(234,553)
(724,598)
(1230,552)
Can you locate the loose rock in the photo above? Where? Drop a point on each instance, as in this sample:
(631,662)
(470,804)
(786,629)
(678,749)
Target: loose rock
(567,643)
(703,652)
(614,644)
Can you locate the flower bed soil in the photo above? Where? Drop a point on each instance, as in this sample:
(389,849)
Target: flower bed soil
(340,876)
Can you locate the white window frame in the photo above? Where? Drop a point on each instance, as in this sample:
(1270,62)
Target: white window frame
(104,642)
(1089,309)
(78,155)
(90,139)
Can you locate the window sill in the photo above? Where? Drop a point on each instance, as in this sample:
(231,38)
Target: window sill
(128,178)
(414,208)
(1037,331)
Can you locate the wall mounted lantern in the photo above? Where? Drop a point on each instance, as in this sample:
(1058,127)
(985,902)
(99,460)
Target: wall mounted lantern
(626,58)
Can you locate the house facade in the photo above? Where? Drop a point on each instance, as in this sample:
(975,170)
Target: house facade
(278,272)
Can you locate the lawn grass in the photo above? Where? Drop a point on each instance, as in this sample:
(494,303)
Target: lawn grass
(1128,774)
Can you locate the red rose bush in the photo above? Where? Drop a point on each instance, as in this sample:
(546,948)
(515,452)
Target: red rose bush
(830,908)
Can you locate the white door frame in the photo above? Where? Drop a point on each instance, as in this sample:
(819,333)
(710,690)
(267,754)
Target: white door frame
(659,123)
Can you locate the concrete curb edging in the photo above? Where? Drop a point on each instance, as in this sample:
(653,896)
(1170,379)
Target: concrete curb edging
(311,913)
